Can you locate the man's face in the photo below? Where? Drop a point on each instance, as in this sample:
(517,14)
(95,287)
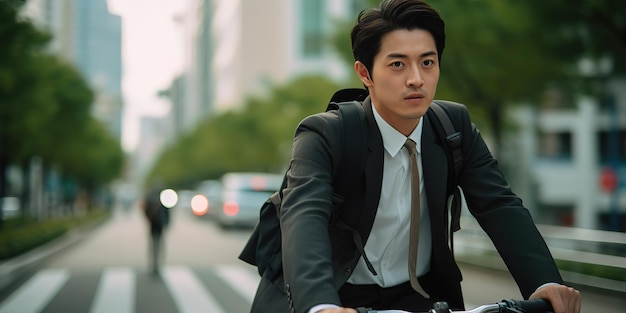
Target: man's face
(405,77)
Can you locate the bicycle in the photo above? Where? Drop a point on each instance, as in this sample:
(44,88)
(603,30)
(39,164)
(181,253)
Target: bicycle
(504,306)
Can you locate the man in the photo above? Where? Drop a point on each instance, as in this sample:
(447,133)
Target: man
(158,217)
(397,49)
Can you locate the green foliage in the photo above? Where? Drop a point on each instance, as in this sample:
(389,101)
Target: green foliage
(94,157)
(21,109)
(492,53)
(256,138)
(22,234)
(45,108)
(589,28)
(496,55)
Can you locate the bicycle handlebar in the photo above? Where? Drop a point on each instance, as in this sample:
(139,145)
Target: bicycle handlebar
(511,306)
(532,306)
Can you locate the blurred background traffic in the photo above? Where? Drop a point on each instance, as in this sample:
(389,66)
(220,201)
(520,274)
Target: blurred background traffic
(98,99)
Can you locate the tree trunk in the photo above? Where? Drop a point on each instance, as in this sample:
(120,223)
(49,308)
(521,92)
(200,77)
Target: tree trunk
(3,189)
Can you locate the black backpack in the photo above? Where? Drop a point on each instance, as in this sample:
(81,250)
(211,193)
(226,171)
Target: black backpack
(263,248)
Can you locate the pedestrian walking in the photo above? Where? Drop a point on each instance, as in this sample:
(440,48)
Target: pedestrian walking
(158,217)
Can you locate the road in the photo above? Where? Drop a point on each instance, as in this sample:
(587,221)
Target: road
(107,271)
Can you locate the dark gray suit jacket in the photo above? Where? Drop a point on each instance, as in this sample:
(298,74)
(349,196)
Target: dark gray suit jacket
(318,259)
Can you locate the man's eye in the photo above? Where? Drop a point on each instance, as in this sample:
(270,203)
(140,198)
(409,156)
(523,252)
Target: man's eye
(397,64)
(429,63)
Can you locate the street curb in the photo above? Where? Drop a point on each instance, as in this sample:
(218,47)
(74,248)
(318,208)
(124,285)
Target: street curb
(19,268)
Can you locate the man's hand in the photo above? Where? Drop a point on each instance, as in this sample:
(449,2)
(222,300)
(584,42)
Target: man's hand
(564,299)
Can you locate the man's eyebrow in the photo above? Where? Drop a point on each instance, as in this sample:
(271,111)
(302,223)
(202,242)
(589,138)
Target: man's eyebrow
(397,55)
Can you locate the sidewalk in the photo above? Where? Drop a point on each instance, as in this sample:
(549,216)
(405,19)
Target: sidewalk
(19,268)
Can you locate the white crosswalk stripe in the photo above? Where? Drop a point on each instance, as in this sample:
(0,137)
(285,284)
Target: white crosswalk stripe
(116,292)
(119,289)
(240,279)
(189,294)
(36,293)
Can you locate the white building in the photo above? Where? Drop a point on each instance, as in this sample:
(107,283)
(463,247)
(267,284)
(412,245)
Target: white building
(155,134)
(86,34)
(238,48)
(260,43)
(565,150)
(57,18)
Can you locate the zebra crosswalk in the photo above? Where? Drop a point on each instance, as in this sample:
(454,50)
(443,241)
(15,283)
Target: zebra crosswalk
(178,289)
(116,291)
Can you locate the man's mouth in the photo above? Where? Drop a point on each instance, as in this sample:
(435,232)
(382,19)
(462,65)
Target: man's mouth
(414,96)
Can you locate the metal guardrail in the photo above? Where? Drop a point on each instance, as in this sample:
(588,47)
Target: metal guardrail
(576,245)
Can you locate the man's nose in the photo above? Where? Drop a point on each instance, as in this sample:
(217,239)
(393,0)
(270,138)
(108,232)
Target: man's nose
(415,78)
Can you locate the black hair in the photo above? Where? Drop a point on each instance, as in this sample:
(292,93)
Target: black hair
(372,24)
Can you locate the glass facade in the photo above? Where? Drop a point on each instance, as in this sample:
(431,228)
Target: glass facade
(312,13)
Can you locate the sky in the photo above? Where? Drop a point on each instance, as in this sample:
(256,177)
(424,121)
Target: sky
(152,55)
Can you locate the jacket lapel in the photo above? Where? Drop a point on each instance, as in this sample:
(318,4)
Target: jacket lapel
(435,167)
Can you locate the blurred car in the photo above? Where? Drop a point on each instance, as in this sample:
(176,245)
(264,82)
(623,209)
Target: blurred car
(184,199)
(206,201)
(243,194)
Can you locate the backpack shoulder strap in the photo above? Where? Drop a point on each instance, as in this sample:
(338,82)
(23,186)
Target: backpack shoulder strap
(346,95)
(453,139)
(354,136)
(354,129)
(354,150)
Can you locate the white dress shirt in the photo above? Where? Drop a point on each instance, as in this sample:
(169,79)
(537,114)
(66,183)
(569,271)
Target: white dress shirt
(387,247)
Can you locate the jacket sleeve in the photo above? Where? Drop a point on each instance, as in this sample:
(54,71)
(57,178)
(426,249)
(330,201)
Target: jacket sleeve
(306,212)
(501,213)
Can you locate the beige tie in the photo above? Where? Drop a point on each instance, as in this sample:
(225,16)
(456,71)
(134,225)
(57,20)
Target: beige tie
(415,217)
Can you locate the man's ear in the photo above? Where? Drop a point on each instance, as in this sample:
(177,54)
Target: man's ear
(363,73)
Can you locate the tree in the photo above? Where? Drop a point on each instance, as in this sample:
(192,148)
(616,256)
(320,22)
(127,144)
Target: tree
(497,55)
(95,157)
(45,109)
(20,87)
(69,111)
(256,138)
(586,28)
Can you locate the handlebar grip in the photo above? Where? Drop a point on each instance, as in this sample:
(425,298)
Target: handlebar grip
(534,305)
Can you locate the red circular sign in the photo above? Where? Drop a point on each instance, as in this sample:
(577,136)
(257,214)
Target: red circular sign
(608,179)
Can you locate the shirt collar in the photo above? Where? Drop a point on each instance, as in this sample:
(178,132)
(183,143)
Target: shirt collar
(393,140)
